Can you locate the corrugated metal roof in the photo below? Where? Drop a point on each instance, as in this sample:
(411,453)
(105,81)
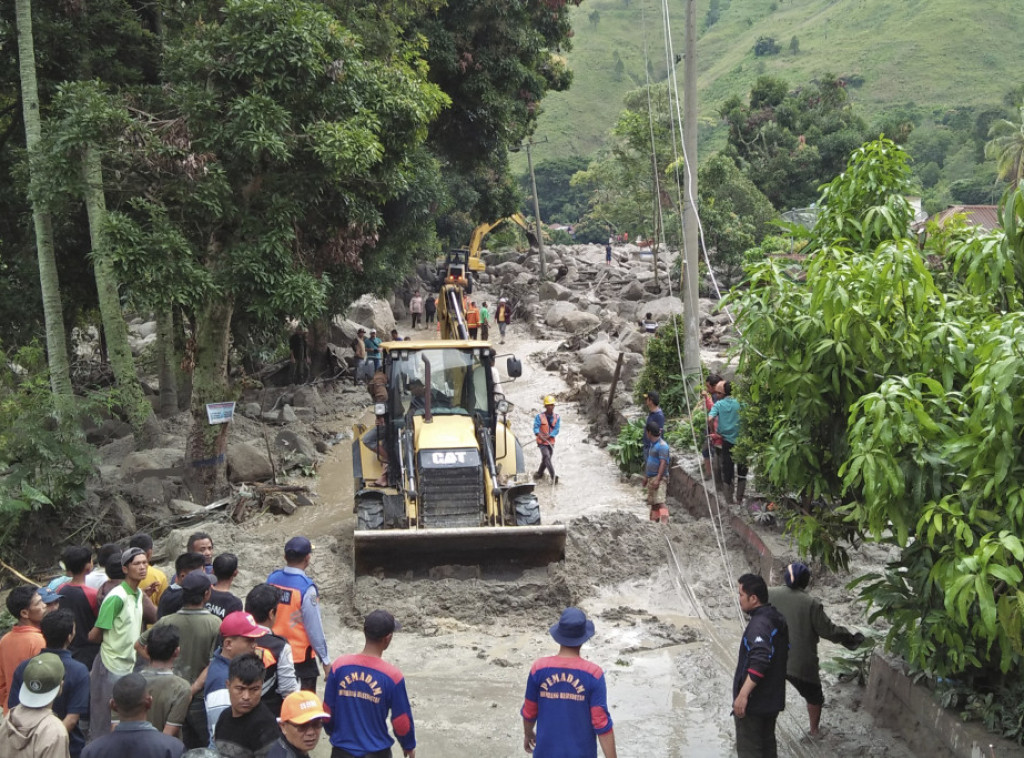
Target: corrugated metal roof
(985,216)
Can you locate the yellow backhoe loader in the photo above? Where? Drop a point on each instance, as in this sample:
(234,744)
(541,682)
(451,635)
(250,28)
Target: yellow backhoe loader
(457,489)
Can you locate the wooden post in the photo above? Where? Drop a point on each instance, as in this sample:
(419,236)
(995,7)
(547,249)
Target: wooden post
(615,381)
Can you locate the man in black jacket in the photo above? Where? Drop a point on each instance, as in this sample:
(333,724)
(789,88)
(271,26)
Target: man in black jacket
(759,685)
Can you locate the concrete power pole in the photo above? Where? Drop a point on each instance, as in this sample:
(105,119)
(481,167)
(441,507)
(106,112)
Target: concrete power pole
(688,285)
(536,213)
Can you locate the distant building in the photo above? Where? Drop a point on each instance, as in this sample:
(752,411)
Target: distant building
(984,216)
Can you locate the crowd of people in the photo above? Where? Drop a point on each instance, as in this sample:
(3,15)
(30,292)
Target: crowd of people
(129,663)
(121,661)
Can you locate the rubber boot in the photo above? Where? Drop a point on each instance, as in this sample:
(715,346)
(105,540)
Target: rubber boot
(741,489)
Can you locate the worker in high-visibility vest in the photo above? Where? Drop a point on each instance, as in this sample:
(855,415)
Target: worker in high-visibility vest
(472,319)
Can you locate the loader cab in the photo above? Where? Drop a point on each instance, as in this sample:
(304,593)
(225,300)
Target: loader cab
(445,381)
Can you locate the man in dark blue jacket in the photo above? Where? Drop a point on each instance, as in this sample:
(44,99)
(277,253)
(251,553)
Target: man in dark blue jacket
(759,685)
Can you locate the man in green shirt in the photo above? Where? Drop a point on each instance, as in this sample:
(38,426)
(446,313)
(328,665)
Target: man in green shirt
(485,321)
(118,625)
(807,622)
(198,630)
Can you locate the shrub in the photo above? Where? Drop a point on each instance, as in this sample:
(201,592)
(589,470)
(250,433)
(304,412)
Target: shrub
(44,458)
(628,447)
(766,46)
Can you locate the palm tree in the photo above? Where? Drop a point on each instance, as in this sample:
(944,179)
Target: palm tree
(1006,146)
(56,343)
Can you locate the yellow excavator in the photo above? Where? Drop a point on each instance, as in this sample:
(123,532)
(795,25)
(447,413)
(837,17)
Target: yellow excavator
(456,487)
(468,258)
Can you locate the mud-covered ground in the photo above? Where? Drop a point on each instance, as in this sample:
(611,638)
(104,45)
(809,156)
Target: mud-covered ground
(663,599)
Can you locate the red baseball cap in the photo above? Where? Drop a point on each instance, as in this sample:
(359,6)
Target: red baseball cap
(241,624)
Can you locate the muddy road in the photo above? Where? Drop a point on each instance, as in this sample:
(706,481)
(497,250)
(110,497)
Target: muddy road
(663,600)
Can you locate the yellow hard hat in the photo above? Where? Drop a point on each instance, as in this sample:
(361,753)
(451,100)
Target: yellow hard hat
(549,400)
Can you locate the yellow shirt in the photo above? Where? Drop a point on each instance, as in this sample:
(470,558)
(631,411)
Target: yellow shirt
(153,574)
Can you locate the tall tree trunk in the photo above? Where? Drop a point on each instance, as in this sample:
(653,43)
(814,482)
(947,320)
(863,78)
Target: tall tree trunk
(56,340)
(140,412)
(206,454)
(166,361)
(319,336)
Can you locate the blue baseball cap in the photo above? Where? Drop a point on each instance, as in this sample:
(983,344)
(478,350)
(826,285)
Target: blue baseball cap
(299,546)
(47,595)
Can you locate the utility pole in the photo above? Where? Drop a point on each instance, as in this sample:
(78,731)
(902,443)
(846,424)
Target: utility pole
(691,306)
(536,211)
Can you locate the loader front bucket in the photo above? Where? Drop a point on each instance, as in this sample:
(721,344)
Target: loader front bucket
(492,548)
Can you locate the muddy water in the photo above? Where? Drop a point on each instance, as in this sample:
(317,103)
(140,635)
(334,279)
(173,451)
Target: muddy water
(667,629)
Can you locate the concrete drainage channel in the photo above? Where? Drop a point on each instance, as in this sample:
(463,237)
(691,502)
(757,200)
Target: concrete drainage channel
(892,697)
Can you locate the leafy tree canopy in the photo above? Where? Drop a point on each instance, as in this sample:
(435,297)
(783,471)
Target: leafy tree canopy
(790,142)
(886,393)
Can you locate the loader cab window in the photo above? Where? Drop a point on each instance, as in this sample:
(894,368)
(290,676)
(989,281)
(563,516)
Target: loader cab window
(457,382)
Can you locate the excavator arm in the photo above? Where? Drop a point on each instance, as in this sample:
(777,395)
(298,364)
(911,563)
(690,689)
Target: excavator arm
(477,238)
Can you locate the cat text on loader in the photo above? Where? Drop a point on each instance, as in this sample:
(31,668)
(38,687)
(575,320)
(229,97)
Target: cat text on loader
(456,488)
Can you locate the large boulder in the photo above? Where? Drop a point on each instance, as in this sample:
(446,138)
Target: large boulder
(308,396)
(598,368)
(247,463)
(600,347)
(633,291)
(553,291)
(142,330)
(149,460)
(374,313)
(343,330)
(294,449)
(508,268)
(634,341)
(567,317)
(664,308)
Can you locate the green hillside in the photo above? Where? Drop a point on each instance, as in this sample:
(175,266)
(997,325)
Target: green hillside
(933,53)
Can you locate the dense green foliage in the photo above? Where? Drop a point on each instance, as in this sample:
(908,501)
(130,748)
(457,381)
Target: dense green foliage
(628,447)
(661,370)
(623,187)
(891,392)
(789,142)
(44,459)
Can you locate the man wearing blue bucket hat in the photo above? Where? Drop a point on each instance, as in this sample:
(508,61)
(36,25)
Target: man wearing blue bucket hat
(566,702)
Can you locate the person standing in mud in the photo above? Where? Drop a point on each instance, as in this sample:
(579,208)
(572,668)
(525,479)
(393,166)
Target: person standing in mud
(485,321)
(372,344)
(359,352)
(416,309)
(759,684)
(361,690)
(727,413)
(808,623)
(656,466)
(546,426)
(566,702)
(712,439)
(503,315)
(298,613)
(472,320)
(655,414)
(429,310)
